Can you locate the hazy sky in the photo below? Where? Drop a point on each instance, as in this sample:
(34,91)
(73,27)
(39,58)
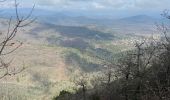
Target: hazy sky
(97,4)
(135,6)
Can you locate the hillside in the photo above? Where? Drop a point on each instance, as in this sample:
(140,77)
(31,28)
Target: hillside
(53,53)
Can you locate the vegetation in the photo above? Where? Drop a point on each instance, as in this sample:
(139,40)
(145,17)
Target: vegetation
(82,62)
(143,74)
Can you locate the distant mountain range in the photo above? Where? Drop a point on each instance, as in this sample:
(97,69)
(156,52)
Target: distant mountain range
(139,19)
(69,19)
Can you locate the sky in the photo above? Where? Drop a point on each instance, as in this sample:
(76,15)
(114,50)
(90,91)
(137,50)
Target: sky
(128,6)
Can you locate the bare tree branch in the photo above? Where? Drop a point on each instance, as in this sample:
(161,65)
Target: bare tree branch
(8,41)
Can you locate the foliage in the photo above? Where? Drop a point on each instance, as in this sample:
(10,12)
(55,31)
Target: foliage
(61,95)
(143,74)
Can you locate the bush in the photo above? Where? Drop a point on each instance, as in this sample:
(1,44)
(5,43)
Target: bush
(63,95)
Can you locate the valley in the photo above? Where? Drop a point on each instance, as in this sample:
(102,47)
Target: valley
(52,53)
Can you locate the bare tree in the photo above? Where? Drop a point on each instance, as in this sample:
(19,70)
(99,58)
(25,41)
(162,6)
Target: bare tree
(159,82)
(8,45)
(125,67)
(82,82)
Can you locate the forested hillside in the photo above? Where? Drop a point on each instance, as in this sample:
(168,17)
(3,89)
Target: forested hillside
(140,74)
(84,50)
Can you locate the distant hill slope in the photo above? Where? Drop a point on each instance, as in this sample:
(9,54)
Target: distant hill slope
(139,19)
(65,18)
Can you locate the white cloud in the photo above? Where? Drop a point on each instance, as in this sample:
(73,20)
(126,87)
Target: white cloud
(95,4)
(7,4)
(152,4)
(98,5)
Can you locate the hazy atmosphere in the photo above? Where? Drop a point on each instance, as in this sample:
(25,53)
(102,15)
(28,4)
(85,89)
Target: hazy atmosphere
(96,8)
(84,50)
